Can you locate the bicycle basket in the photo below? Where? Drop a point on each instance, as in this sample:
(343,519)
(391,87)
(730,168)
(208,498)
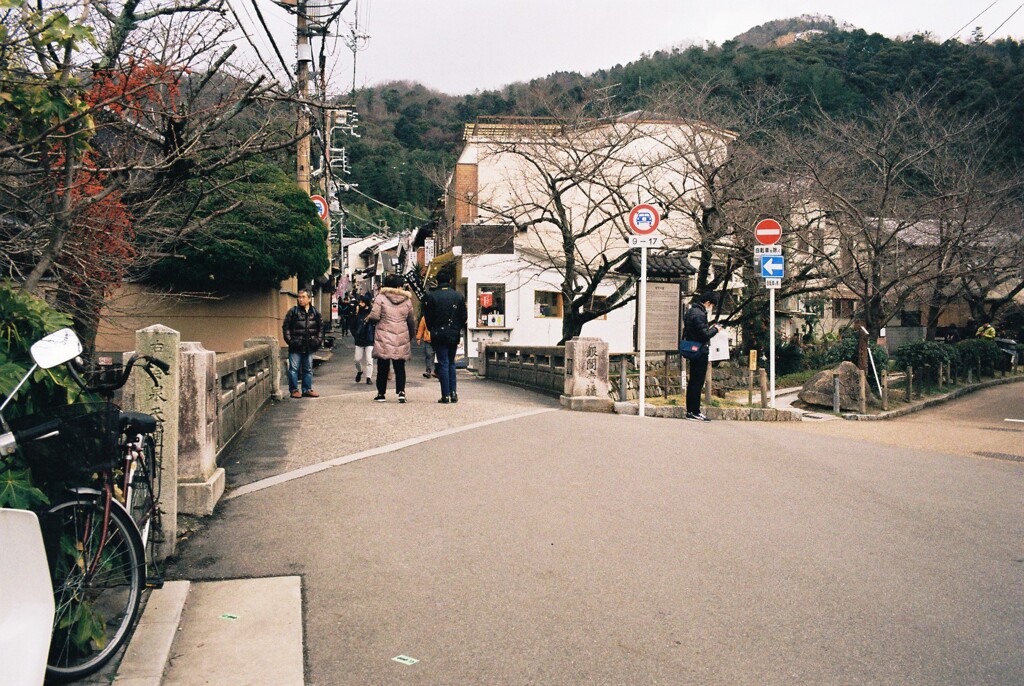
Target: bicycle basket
(86,441)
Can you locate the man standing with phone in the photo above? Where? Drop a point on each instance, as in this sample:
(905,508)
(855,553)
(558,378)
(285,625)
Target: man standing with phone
(696,328)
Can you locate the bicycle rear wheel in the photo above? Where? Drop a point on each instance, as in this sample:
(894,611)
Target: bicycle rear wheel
(98,574)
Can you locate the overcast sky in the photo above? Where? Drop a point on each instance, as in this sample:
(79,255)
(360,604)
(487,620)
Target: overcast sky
(461,46)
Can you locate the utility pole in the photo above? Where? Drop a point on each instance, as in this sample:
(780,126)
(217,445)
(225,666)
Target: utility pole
(304,56)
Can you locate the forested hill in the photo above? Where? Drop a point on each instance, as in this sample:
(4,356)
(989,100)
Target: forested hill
(411,134)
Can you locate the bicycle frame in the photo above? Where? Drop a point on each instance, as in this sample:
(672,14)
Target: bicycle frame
(95,538)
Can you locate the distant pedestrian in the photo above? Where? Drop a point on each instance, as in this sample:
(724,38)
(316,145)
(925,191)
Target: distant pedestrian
(303,331)
(392,341)
(986,330)
(362,335)
(423,338)
(696,328)
(445,311)
(345,314)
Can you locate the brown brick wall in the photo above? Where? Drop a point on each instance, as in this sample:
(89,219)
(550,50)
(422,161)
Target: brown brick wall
(458,209)
(465,193)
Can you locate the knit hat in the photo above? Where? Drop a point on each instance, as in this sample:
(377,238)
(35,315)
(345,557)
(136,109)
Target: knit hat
(710,297)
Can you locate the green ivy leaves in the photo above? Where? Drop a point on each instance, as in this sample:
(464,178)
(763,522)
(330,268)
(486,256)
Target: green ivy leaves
(17,491)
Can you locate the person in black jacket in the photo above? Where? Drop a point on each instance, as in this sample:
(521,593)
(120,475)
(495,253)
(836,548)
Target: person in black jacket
(303,330)
(696,328)
(445,310)
(363,333)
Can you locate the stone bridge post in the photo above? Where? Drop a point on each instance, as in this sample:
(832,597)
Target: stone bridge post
(586,376)
(160,399)
(200,480)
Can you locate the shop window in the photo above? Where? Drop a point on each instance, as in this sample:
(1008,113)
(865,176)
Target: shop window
(490,304)
(547,304)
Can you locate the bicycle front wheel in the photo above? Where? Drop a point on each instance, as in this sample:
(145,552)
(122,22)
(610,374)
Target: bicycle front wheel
(97,568)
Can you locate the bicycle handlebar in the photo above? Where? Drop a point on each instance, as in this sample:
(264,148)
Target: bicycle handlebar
(9,441)
(121,379)
(37,431)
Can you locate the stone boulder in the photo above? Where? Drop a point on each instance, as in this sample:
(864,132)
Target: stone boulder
(818,390)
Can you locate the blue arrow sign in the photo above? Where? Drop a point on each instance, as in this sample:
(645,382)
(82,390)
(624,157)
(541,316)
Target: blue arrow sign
(772,266)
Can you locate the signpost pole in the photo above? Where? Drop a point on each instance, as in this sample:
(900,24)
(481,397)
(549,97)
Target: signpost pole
(768,232)
(771,344)
(643,222)
(643,327)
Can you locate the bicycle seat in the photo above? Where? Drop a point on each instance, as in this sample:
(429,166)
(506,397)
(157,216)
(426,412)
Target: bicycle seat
(137,423)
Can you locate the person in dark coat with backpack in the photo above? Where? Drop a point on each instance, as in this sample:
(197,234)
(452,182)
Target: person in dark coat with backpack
(697,329)
(303,330)
(363,332)
(445,311)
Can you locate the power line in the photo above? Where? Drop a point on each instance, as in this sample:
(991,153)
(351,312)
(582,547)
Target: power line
(259,53)
(273,42)
(957,32)
(383,204)
(369,223)
(992,33)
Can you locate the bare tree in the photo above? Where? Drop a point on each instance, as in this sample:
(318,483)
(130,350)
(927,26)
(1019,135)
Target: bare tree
(982,246)
(734,190)
(112,108)
(567,184)
(882,221)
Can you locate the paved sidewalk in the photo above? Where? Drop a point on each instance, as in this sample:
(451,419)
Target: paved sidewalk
(192,631)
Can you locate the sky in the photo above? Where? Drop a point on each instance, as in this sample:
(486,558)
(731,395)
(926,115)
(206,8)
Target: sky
(461,46)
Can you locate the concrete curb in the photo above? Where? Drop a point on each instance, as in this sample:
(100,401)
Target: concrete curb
(937,400)
(757,414)
(150,646)
(750,414)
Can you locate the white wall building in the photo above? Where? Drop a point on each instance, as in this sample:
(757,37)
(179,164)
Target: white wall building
(518,190)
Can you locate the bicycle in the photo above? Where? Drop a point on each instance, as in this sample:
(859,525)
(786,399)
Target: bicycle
(99,534)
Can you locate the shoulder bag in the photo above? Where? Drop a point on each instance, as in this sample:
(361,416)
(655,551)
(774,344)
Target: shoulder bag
(691,350)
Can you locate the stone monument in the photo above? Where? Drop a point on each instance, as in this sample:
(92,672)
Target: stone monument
(586,376)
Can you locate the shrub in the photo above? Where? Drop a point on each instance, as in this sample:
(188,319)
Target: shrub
(814,357)
(981,354)
(788,359)
(846,351)
(925,357)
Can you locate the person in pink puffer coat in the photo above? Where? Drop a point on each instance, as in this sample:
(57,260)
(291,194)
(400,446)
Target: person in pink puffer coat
(392,341)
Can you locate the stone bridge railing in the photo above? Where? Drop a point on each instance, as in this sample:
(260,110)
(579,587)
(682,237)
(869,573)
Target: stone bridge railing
(576,372)
(246,380)
(539,368)
(201,404)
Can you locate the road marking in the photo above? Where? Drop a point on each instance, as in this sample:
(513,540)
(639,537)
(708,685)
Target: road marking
(338,461)
(405,659)
(1021,421)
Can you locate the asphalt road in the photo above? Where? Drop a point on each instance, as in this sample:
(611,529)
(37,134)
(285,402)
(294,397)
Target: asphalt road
(572,548)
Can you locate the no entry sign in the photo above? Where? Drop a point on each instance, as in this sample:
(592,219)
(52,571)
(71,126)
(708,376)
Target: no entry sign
(768,231)
(644,219)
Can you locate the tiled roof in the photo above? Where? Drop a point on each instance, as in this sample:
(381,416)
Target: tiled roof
(658,266)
